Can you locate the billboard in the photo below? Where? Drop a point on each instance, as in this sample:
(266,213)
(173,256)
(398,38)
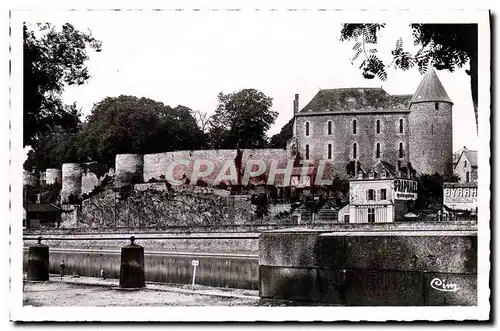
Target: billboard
(460,196)
(405,189)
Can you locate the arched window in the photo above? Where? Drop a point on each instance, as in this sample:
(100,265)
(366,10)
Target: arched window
(401,122)
(329,128)
(307,128)
(307,152)
(377,154)
(401,151)
(378,126)
(329,151)
(354,124)
(354,151)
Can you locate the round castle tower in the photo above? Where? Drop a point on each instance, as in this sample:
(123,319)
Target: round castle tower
(53,176)
(431,130)
(71,182)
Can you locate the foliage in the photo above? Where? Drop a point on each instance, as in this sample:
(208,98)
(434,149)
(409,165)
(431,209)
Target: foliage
(53,148)
(127,124)
(241,120)
(262,203)
(53,59)
(448,46)
(280,139)
(48,193)
(430,190)
(314,203)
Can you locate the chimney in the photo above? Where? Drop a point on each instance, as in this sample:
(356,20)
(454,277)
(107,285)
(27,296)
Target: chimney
(296,104)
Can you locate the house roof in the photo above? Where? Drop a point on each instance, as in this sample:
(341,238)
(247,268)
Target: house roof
(378,167)
(41,207)
(430,89)
(343,99)
(471,157)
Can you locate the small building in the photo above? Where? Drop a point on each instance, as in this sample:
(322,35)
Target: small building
(381,195)
(41,215)
(466,166)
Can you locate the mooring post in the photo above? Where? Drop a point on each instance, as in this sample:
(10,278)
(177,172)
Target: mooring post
(38,262)
(132,266)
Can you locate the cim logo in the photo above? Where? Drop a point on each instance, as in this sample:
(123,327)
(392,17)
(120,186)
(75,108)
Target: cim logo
(442,285)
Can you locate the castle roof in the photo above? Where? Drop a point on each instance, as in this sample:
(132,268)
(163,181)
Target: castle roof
(343,99)
(430,89)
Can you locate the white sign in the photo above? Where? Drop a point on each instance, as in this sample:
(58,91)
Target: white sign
(460,198)
(195,263)
(405,189)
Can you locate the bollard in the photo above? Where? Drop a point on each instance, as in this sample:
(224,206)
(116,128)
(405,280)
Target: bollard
(132,266)
(38,262)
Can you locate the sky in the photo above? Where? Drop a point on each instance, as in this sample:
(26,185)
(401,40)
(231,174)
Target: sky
(187,58)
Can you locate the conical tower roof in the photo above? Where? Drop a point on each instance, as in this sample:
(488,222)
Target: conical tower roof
(430,89)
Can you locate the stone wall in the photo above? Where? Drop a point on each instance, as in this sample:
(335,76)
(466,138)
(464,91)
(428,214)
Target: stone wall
(53,176)
(157,165)
(431,138)
(343,138)
(150,205)
(368,268)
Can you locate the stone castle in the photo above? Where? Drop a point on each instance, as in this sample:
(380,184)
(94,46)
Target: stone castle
(339,125)
(369,125)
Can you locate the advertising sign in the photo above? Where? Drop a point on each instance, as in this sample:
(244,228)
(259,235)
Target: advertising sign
(460,198)
(405,189)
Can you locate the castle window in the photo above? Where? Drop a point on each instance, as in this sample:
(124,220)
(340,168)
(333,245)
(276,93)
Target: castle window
(401,151)
(465,164)
(378,126)
(436,105)
(354,125)
(432,128)
(383,194)
(371,194)
(377,154)
(384,174)
(307,128)
(467,177)
(354,151)
(329,151)
(329,128)
(399,164)
(307,152)
(371,174)
(401,122)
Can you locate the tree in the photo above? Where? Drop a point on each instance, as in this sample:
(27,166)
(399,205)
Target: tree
(52,60)
(127,124)
(54,148)
(447,46)
(242,119)
(280,139)
(430,190)
(202,119)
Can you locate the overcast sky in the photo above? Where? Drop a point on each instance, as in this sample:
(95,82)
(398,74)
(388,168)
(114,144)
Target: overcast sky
(188,57)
